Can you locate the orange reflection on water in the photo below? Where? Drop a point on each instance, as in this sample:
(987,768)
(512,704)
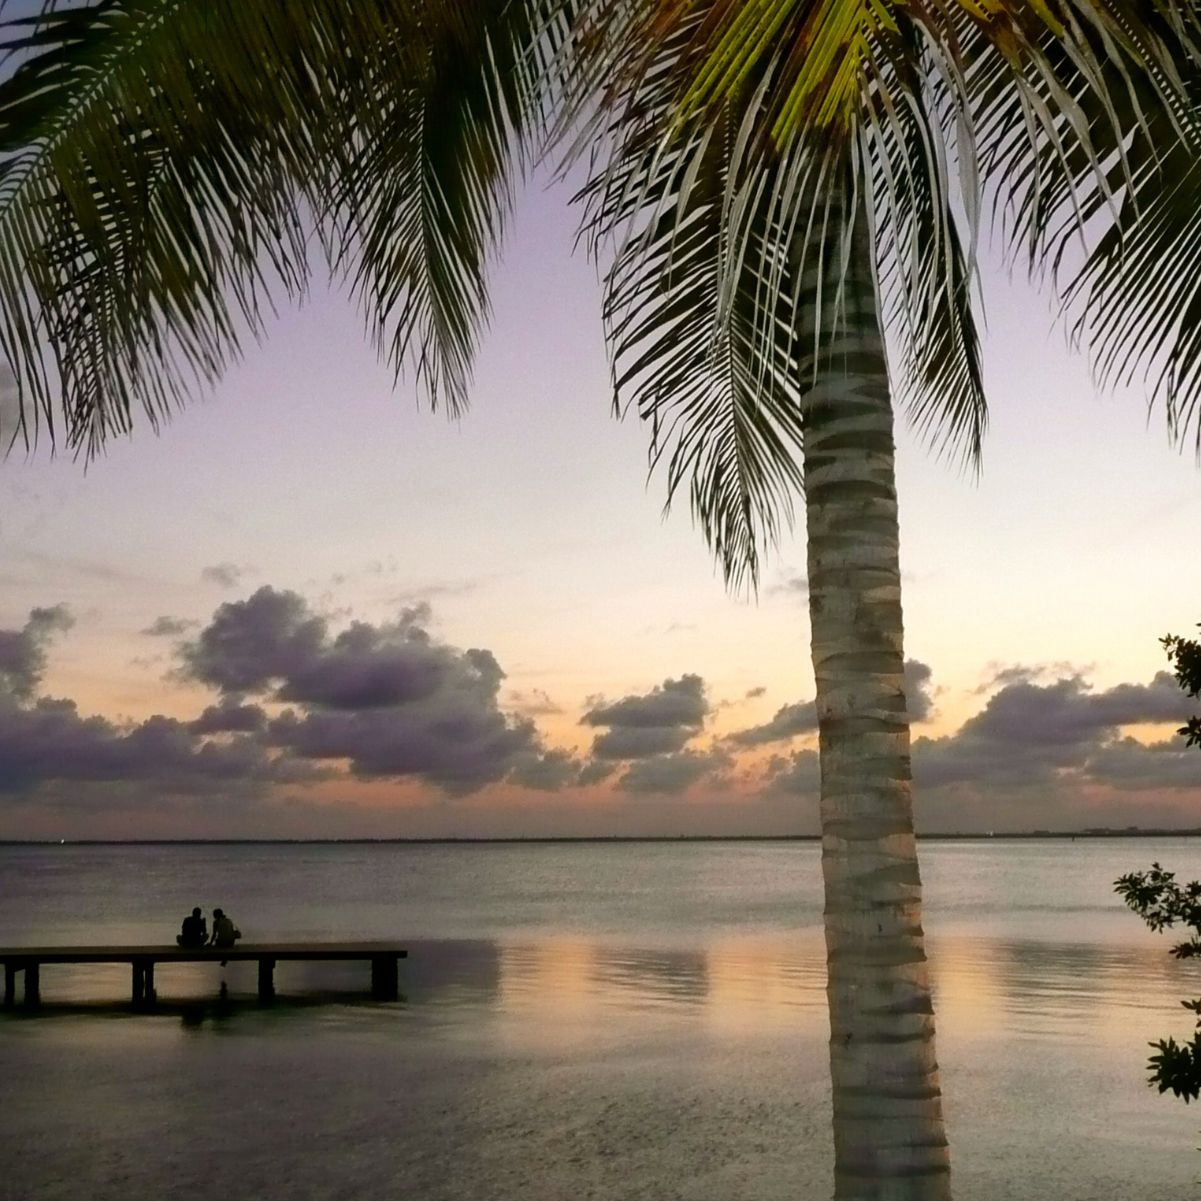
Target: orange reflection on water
(776,980)
(736,984)
(550,982)
(967,986)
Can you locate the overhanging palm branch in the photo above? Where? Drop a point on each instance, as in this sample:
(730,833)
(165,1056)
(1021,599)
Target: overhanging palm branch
(165,164)
(922,113)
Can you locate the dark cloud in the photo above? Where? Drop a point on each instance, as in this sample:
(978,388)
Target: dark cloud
(640,742)
(918,690)
(673,703)
(654,723)
(1067,712)
(800,717)
(670,774)
(788,722)
(752,693)
(648,732)
(46,744)
(383,701)
(453,740)
(227,575)
(169,627)
(798,773)
(547,772)
(1031,756)
(596,770)
(50,742)
(254,643)
(230,717)
(1051,739)
(389,700)
(1001,675)
(23,651)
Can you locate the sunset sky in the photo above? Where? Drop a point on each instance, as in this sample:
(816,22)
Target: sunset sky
(309,608)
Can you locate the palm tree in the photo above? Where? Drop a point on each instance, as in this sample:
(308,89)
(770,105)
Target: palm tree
(772,185)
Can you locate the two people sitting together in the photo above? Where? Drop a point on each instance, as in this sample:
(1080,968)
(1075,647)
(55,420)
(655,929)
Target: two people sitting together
(195,930)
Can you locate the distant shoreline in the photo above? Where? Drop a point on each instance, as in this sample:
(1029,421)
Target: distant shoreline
(1001,836)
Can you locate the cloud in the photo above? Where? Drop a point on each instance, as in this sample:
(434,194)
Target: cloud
(535,703)
(1035,751)
(648,732)
(919,697)
(229,717)
(547,772)
(50,742)
(657,722)
(432,591)
(1001,675)
(673,703)
(800,717)
(228,575)
(384,701)
(753,693)
(788,722)
(640,742)
(389,700)
(169,627)
(798,773)
(596,770)
(1067,712)
(671,774)
(792,585)
(49,750)
(23,651)
(251,643)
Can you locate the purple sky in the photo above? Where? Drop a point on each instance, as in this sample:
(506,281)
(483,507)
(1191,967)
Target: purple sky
(309,608)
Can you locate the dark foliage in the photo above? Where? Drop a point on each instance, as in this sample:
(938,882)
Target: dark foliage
(1185,656)
(1163,903)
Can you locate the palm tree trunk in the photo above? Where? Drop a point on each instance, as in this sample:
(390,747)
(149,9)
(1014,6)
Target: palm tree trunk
(889,1139)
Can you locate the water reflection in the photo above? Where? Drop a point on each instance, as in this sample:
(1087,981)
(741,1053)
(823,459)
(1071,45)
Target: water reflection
(983,987)
(1057,989)
(653,977)
(1003,987)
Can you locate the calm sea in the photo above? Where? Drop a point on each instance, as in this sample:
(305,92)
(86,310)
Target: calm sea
(607,1021)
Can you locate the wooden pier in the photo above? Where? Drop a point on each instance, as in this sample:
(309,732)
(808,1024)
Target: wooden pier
(383,957)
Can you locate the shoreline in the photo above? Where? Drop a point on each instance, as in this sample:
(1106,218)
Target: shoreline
(941,836)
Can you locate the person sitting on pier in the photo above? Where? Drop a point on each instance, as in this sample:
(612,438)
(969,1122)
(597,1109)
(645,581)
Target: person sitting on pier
(225,933)
(195,930)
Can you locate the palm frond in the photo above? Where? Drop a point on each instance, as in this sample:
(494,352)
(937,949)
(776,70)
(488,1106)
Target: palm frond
(926,263)
(424,186)
(1098,185)
(702,337)
(164,165)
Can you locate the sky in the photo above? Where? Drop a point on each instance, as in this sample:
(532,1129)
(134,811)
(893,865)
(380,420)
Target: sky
(310,608)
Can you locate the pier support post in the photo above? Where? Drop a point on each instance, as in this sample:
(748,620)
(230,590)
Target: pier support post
(33,985)
(266,981)
(385,978)
(143,983)
(10,984)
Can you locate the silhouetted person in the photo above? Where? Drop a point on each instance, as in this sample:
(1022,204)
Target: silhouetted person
(225,933)
(194,932)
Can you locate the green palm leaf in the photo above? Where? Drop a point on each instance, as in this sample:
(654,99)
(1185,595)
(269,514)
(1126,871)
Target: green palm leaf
(165,164)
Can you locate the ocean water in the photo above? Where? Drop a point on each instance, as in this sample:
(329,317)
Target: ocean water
(608,1021)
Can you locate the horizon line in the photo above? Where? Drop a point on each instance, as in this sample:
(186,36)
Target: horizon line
(949,836)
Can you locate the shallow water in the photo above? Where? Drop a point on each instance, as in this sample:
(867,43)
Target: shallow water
(611,1021)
